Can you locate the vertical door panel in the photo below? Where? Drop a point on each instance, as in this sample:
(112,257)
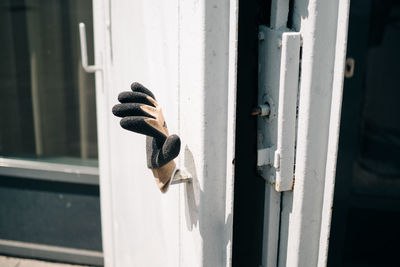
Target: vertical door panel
(304,218)
(144,49)
(306,211)
(180,51)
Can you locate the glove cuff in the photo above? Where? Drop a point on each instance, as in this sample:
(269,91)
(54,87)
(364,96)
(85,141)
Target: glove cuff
(163,175)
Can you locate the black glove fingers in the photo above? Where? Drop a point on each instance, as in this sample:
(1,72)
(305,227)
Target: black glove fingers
(171,148)
(134,97)
(138,124)
(137,87)
(130,109)
(162,155)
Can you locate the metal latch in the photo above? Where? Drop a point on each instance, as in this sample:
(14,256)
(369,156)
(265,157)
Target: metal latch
(279,56)
(181,176)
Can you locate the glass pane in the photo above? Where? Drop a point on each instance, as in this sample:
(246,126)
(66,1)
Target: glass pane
(377,169)
(47,101)
(366,208)
(50,213)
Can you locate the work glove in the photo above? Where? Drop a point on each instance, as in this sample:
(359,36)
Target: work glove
(141,113)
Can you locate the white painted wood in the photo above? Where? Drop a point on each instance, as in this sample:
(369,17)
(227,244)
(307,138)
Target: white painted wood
(145,49)
(102,55)
(231,126)
(287,109)
(185,52)
(204,82)
(322,60)
(334,127)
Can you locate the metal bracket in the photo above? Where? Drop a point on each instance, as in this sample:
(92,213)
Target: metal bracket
(85,65)
(279,57)
(268,156)
(181,176)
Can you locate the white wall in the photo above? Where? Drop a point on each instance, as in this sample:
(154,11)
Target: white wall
(179,50)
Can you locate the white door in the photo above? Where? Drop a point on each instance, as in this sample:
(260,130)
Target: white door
(184,52)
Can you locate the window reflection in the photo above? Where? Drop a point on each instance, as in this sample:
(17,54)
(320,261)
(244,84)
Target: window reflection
(47,101)
(377,171)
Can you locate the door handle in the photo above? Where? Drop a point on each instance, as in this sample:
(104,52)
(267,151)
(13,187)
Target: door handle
(85,65)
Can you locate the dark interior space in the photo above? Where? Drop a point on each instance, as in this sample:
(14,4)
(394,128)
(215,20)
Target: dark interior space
(366,211)
(249,186)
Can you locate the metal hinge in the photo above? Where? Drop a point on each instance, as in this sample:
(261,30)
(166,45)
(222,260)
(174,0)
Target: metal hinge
(279,58)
